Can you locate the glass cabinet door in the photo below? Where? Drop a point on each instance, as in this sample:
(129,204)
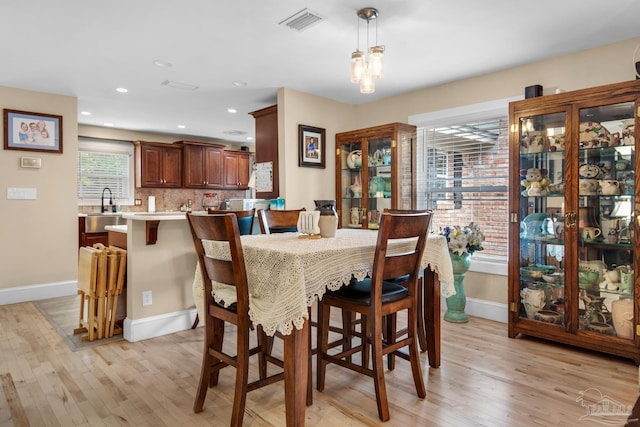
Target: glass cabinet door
(379,193)
(605,219)
(352,184)
(542,190)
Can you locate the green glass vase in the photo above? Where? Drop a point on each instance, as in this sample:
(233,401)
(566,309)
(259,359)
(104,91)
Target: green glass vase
(456,303)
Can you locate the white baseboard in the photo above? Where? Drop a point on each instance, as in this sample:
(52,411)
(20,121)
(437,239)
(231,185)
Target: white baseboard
(155,326)
(483,309)
(38,292)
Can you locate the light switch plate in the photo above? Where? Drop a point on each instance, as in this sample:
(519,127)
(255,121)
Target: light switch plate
(14,193)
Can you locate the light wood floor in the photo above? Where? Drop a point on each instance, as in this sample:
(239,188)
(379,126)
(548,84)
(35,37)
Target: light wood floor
(486,379)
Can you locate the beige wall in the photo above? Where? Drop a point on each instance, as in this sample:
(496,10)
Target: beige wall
(300,186)
(594,67)
(45,230)
(40,237)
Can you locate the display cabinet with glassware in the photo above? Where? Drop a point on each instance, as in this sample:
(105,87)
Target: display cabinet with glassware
(574,217)
(374,171)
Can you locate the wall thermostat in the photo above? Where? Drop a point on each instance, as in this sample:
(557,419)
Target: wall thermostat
(30,162)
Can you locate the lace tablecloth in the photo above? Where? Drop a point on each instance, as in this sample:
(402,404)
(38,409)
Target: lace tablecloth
(286,274)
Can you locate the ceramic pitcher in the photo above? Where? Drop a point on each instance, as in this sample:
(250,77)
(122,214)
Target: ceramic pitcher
(622,314)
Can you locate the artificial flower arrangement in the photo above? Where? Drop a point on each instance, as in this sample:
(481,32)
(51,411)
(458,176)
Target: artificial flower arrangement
(467,239)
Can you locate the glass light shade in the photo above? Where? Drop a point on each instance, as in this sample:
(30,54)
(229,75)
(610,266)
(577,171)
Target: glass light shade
(357,66)
(367,82)
(376,61)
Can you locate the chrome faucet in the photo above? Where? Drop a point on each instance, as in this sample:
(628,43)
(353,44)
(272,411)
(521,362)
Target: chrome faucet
(103,209)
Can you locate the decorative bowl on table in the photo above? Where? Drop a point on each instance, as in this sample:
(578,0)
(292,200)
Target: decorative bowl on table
(536,271)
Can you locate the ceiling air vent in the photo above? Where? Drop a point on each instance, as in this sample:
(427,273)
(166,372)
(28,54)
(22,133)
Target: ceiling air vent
(302,20)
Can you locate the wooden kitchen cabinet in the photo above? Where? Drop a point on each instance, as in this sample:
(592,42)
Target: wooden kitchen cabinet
(158,165)
(236,169)
(573,221)
(266,121)
(90,239)
(374,171)
(203,165)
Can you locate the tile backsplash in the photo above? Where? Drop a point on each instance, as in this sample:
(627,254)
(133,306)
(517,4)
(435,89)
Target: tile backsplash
(170,199)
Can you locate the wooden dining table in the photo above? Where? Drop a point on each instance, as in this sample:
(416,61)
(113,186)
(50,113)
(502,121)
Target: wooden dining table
(287,274)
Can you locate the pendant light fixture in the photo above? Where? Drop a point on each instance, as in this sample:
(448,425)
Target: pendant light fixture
(369,66)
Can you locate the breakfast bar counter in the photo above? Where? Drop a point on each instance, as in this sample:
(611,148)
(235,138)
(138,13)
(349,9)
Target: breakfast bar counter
(159,275)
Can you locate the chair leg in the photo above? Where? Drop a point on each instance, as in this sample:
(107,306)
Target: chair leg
(263,343)
(324,314)
(217,340)
(378,369)
(365,329)
(414,354)
(422,331)
(390,337)
(195,322)
(242,376)
(347,331)
(310,364)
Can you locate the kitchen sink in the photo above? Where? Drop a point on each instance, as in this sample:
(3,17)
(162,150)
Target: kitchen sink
(95,223)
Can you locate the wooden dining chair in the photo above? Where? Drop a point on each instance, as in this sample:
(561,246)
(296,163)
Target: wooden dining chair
(245,219)
(378,297)
(231,272)
(278,221)
(245,226)
(422,322)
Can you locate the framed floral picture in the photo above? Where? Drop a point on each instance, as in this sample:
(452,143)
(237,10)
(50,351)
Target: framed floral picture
(32,131)
(311,146)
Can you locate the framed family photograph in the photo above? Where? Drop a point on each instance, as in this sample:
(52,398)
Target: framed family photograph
(32,131)
(311,146)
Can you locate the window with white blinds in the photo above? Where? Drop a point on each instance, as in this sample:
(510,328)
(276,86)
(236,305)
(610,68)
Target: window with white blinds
(102,164)
(463,177)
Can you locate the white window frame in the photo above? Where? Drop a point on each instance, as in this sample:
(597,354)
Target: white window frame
(471,113)
(110,146)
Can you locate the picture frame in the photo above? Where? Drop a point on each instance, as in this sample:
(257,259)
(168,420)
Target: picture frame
(311,147)
(29,131)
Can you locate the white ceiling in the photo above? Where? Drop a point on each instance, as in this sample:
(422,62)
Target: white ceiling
(87,49)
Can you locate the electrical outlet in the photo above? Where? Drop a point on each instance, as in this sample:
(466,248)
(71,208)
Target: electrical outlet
(137,202)
(147,298)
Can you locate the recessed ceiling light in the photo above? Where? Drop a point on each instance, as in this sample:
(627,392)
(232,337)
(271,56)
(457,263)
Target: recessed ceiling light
(181,126)
(249,138)
(85,113)
(122,90)
(162,64)
(108,124)
(239,83)
(231,110)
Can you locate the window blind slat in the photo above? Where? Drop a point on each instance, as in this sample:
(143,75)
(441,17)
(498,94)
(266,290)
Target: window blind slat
(464,177)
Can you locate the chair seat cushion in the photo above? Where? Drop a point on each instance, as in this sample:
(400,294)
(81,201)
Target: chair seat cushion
(359,292)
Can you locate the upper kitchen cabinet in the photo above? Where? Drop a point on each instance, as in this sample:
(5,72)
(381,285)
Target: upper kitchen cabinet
(158,165)
(236,169)
(203,165)
(267,147)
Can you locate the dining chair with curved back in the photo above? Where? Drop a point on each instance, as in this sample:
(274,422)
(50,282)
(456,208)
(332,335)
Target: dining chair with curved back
(230,271)
(378,297)
(245,226)
(278,221)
